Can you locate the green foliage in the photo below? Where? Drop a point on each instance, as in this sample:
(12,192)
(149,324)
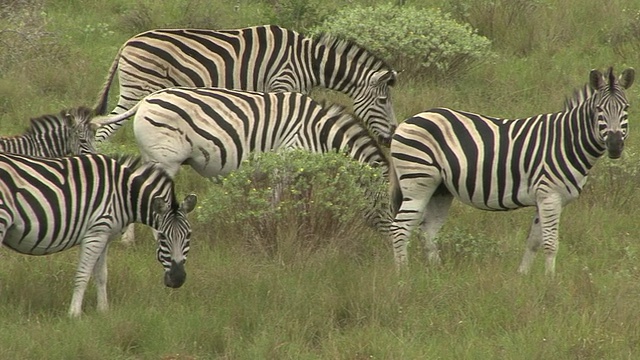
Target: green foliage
(312,197)
(423,41)
(458,245)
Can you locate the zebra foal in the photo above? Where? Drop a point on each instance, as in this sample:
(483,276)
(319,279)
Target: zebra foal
(69,132)
(501,164)
(260,58)
(214,130)
(51,205)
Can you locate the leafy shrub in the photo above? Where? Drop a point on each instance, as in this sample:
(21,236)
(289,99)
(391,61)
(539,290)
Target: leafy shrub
(313,198)
(423,41)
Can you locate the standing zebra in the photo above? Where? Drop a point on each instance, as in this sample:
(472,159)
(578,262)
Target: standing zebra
(500,164)
(68,133)
(259,58)
(214,129)
(51,205)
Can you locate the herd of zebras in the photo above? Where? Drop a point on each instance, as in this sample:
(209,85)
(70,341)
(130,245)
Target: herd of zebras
(209,98)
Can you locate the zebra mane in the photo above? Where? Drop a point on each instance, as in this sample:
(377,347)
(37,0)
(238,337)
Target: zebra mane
(350,47)
(579,97)
(65,118)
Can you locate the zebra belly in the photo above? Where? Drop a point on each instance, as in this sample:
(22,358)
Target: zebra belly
(32,245)
(495,200)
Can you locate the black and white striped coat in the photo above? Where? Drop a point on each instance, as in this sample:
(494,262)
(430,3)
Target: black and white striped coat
(66,133)
(501,164)
(51,205)
(260,58)
(214,130)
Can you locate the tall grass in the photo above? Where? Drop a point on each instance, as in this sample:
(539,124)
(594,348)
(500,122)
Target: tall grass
(343,299)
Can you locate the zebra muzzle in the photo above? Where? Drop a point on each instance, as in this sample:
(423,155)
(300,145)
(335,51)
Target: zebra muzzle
(175,276)
(615,144)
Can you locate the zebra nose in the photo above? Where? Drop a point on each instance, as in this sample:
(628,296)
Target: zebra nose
(175,277)
(615,144)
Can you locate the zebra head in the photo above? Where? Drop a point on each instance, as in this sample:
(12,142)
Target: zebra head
(173,235)
(611,107)
(81,137)
(373,105)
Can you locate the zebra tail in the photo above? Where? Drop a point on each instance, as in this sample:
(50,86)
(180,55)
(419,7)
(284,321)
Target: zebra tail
(103,96)
(108,119)
(395,193)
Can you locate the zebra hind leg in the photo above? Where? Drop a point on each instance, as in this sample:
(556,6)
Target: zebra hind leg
(534,240)
(100,277)
(416,193)
(129,235)
(434,218)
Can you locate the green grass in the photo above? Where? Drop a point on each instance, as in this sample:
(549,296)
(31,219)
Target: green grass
(343,299)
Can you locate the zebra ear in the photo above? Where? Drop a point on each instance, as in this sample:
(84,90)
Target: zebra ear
(159,205)
(627,77)
(384,77)
(595,79)
(189,203)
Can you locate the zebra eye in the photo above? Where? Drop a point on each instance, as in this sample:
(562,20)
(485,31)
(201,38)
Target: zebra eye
(383,99)
(599,108)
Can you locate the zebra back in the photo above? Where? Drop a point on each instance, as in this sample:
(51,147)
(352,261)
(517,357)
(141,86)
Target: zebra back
(259,58)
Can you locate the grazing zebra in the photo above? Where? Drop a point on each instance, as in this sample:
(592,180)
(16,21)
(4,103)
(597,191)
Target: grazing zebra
(500,164)
(68,133)
(51,205)
(214,130)
(259,58)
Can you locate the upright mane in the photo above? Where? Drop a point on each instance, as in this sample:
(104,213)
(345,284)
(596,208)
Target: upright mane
(579,97)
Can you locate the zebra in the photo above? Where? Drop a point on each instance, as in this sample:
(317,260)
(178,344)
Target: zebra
(69,132)
(50,205)
(214,130)
(500,164)
(260,58)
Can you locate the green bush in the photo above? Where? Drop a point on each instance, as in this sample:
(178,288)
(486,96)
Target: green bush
(313,198)
(421,41)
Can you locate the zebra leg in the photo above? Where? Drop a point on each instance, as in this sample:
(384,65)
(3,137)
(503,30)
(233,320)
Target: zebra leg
(100,276)
(549,209)
(416,193)
(91,249)
(129,235)
(534,240)
(434,218)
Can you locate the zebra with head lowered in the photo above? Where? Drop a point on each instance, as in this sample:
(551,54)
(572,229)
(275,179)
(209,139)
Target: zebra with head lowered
(51,205)
(214,130)
(501,164)
(259,58)
(68,133)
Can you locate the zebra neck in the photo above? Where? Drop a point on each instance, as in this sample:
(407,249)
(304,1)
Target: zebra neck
(24,145)
(344,133)
(141,192)
(328,55)
(590,143)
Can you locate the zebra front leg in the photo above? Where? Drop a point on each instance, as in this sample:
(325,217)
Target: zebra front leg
(434,218)
(534,240)
(549,209)
(100,277)
(91,248)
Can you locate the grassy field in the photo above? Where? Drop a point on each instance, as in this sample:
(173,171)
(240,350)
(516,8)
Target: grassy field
(341,299)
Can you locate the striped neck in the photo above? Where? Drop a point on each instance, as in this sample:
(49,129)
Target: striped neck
(38,141)
(340,131)
(329,58)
